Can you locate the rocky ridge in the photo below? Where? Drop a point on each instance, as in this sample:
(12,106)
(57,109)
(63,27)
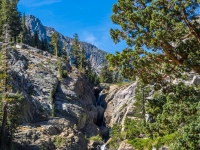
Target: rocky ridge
(93,54)
(35,75)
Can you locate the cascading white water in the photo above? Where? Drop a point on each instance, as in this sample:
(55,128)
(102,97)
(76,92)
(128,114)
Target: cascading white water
(99,103)
(103,147)
(99,99)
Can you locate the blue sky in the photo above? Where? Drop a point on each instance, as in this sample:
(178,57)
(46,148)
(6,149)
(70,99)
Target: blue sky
(90,19)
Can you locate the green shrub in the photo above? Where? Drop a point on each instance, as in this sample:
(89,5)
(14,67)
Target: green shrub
(58,141)
(133,128)
(116,136)
(96,138)
(165,140)
(65,74)
(140,144)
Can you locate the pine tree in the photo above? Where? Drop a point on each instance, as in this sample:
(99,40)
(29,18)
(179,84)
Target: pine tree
(29,37)
(11,16)
(36,40)
(14,19)
(44,45)
(165,33)
(105,74)
(82,60)
(10,101)
(141,94)
(88,71)
(5,12)
(76,50)
(55,44)
(24,29)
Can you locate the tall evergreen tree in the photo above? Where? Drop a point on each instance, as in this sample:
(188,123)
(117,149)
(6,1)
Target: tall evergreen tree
(36,40)
(44,45)
(165,33)
(88,71)
(14,19)
(5,12)
(141,94)
(55,44)
(82,59)
(105,74)
(11,16)
(76,50)
(24,29)
(10,101)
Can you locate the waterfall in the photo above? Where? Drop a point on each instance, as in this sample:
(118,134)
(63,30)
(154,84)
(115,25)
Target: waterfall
(99,99)
(103,147)
(101,123)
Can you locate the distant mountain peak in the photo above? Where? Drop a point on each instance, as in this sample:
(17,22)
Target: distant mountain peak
(95,55)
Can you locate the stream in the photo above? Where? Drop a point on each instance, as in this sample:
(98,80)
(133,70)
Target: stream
(101,121)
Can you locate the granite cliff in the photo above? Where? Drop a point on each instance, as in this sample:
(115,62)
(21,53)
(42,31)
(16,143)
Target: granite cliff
(35,75)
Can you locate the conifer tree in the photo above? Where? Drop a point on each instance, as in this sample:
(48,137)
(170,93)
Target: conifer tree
(24,29)
(14,19)
(82,59)
(36,39)
(105,74)
(55,44)
(165,33)
(5,12)
(76,50)
(141,94)
(10,101)
(88,71)
(11,16)
(44,45)
(65,55)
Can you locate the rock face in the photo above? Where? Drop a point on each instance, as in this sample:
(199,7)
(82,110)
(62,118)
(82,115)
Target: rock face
(35,74)
(95,55)
(119,104)
(50,135)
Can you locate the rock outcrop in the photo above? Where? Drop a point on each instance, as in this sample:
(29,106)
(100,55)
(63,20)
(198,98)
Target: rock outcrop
(93,54)
(36,75)
(120,102)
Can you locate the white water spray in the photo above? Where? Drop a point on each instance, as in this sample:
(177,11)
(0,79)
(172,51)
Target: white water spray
(103,147)
(99,99)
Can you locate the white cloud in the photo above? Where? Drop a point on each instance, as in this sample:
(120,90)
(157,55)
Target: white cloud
(90,38)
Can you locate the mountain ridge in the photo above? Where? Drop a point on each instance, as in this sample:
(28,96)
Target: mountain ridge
(93,54)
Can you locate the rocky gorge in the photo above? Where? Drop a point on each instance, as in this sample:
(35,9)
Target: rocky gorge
(82,111)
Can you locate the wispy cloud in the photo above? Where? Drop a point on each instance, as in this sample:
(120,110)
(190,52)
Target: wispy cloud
(90,38)
(37,3)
